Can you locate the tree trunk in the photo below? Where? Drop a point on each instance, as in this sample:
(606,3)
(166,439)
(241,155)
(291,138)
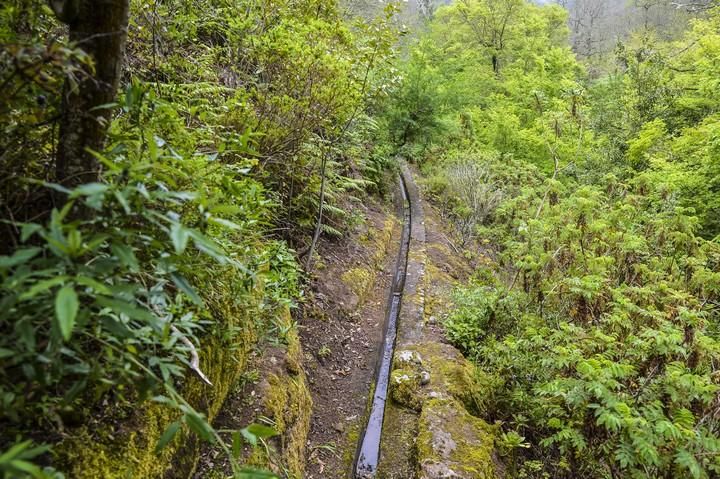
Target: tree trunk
(99,27)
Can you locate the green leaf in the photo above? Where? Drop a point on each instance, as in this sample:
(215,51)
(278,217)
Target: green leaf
(126,256)
(167,436)
(42,286)
(186,288)
(97,286)
(687,461)
(262,431)
(27,468)
(236,444)
(66,309)
(22,450)
(179,236)
(209,247)
(19,257)
(6,353)
(199,426)
(89,189)
(257,431)
(29,229)
(128,309)
(225,223)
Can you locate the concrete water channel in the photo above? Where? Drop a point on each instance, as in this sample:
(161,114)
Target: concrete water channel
(368,452)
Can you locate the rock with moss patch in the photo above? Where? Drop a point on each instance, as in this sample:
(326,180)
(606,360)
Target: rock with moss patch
(404,388)
(454,444)
(407,358)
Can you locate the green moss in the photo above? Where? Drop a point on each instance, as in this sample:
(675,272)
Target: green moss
(404,388)
(380,241)
(289,403)
(360,281)
(351,442)
(398,455)
(450,371)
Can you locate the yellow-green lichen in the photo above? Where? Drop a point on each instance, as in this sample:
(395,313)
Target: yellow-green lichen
(449,438)
(398,455)
(287,401)
(450,371)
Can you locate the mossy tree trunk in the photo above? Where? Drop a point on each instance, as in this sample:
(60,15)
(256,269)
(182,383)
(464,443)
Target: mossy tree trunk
(98,27)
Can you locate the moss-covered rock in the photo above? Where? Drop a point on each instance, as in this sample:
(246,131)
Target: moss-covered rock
(397,454)
(454,444)
(450,373)
(451,442)
(288,402)
(359,281)
(405,388)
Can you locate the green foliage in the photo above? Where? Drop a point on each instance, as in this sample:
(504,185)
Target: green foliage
(17,462)
(596,330)
(106,302)
(226,113)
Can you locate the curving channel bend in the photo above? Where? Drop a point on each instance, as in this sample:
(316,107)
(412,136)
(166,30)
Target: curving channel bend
(368,454)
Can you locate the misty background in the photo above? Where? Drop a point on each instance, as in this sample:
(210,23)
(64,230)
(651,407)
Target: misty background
(596,26)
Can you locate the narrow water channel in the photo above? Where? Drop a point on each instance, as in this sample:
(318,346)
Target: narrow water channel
(368,455)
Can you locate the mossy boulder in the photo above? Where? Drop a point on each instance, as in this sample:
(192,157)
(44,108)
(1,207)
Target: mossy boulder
(404,388)
(436,384)
(360,281)
(450,373)
(454,444)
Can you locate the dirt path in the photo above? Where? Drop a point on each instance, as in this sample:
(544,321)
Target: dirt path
(429,429)
(341,330)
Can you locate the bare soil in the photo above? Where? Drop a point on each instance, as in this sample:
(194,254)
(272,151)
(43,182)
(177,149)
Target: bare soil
(341,336)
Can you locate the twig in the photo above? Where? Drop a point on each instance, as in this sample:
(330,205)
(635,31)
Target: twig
(194,358)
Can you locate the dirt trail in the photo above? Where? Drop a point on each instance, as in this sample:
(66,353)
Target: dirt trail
(429,430)
(341,330)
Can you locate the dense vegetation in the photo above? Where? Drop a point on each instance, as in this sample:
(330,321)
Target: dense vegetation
(152,189)
(594,320)
(167,169)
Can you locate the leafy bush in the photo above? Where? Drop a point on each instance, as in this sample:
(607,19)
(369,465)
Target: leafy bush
(480,311)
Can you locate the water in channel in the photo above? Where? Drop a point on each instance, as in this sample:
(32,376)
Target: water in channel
(368,455)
